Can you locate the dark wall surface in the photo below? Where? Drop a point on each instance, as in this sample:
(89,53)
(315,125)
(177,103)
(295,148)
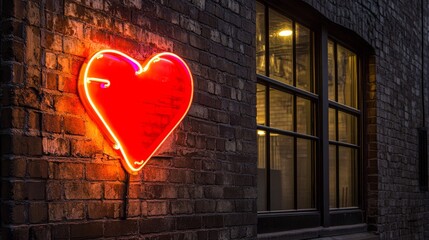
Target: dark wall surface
(61,178)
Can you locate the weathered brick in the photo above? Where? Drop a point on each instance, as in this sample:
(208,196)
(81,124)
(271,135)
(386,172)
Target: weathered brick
(114,190)
(37,169)
(95,171)
(74,125)
(157,208)
(54,190)
(83,190)
(36,190)
(99,210)
(86,230)
(60,231)
(56,146)
(189,222)
(51,123)
(182,207)
(155,225)
(38,212)
(121,228)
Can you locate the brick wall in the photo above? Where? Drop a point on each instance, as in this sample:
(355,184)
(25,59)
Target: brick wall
(397,209)
(62,180)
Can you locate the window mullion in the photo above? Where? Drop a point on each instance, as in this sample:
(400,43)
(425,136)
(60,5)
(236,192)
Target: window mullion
(324,134)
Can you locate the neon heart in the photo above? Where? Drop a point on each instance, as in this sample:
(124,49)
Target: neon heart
(135,107)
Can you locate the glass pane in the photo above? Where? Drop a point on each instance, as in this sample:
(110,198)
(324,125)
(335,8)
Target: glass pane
(305,174)
(332,177)
(281,110)
(280,52)
(347,77)
(260,104)
(332,125)
(260,39)
(331,71)
(281,172)
(348,173)
(303,58)
(304,111)
(262,172)
(347,128)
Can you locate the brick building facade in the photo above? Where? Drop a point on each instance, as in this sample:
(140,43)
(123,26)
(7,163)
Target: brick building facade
(62,180)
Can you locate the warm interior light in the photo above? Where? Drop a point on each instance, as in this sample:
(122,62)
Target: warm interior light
(261,133)
(135,106)
(285,33)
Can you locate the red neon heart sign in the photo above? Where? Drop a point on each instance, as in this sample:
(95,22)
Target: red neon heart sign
(135,106)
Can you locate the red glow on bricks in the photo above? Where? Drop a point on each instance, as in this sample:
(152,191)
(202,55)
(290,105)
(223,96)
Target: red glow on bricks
(135,106)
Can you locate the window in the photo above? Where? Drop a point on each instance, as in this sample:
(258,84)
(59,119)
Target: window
(309,124)
(285,114)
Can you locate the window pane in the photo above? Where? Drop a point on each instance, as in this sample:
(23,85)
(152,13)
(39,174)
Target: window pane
(260,39)
(332,176)
(281,110)
(280,53)
(303,58)
(262,172)
(331,71)
(281,172)
(304,111)
(347,171)
(347,77)
(260,104)
(347,128)
(332,125)
(305,174)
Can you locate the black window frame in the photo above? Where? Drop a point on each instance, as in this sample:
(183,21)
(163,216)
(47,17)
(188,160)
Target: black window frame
(324,30)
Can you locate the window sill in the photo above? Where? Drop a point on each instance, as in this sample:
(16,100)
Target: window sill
(354,232)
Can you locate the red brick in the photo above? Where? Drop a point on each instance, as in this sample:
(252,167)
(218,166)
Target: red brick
(51,61)
(86,230)
(66,170)
(74,210)
(38,212)
(64,64)
(22,145)
(36,190)
(154,225)
(182,207)
(55,211)
(69,104)
(51,81)
(114,190)
(104,209)
(84,148)
(15,167)
(13,117)
(54,190)
(56,146)
(133,208)
(16,213)
(67,84)
(157,208)
(83,190)
(28,97)
(60,231)
(33,49)
(155,174)
(74,125)
(34,120)
(37,169)
(189,222)
(121,228)
(97,171)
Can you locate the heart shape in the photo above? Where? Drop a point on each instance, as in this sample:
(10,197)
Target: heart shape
(135,107)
